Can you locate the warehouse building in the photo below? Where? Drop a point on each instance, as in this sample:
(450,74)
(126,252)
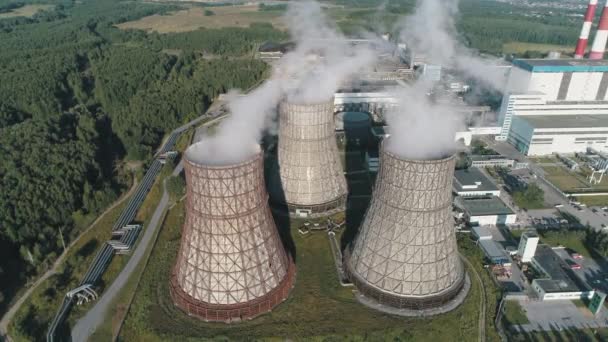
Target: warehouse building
(487,211)
(473,183)
(558,282)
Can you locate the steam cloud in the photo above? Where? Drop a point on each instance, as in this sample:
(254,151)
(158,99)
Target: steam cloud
(431,31)
(320,63)
(420,127)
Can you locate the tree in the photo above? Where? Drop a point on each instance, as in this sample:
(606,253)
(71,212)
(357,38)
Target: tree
(176,186)
(532,197)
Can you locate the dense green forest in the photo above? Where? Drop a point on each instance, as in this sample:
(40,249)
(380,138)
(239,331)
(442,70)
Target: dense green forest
(78,97)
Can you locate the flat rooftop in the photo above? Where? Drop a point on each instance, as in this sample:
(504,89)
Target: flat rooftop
(565,121)
(479,157)
(493,251)
(472,177)
(482,232)
(485,206)
(561,278)
(562,65)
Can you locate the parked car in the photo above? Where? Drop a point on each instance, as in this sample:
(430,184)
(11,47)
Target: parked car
(577,256)
(573,265)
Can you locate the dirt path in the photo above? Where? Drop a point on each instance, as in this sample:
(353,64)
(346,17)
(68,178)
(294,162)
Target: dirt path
(8,316)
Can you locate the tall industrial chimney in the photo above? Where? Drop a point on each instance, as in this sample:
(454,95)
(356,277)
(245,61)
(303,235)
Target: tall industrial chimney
(601,37)
(581,46)
(405,255)
(312,179)
(231,263)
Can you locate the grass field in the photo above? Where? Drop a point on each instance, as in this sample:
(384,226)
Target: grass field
(565,179)
(519,47)
(194,18)
(514,313)
(318,307)
(25,11)
(593,201)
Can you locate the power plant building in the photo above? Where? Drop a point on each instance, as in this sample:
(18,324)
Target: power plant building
(231,263)
(405,254)
(556,106)
(312,181)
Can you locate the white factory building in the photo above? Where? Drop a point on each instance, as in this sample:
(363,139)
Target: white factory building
(556,106)
(527,246)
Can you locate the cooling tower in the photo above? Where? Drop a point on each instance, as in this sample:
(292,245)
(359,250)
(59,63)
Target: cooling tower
(312,180)
(405,255)
(231,263)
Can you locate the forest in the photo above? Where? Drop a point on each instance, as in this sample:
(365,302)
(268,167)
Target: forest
(79,98)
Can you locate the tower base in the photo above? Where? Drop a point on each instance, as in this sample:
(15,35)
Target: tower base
(312,211)
(233,313)
(424,311)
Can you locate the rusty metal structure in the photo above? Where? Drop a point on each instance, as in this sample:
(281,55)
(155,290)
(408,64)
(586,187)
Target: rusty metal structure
(405,255)
(312,179)
(231,263)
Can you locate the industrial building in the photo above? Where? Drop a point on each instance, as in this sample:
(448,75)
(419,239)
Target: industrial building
(540,135)
(311,177)
(495,253)
(405,255)
(491,161)
(558,282)
(231,263)
(473,183)
(556,106)
(487,211)
(527,246)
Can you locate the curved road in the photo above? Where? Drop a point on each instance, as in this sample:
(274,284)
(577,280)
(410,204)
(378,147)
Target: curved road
(8,316)
(87,325)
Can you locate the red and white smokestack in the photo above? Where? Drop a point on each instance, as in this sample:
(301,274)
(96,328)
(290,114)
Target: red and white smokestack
(601,37)
(583,39)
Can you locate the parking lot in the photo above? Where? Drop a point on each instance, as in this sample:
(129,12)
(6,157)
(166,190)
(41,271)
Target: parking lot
(559,314)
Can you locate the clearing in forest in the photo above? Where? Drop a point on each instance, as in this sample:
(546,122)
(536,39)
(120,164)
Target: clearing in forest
(194,18)
(25,11)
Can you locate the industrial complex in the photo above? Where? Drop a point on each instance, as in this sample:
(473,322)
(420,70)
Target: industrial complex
(502,184)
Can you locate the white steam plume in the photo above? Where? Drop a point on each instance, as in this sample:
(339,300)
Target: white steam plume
(431,31)
(320,63)
(419,128)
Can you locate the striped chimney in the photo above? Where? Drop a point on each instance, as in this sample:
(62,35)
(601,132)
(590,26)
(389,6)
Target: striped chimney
(581,46)
(601,37)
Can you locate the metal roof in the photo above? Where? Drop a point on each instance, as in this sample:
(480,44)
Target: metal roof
(485,206)
(565,121)
(493,251)
(470,177)
(562,65)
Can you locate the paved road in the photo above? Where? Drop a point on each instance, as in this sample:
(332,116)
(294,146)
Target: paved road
(8,316)
(95,317)
(559,314)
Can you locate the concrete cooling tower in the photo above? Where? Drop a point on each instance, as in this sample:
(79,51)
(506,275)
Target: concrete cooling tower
(311,175)
(405,255)
(231,263)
